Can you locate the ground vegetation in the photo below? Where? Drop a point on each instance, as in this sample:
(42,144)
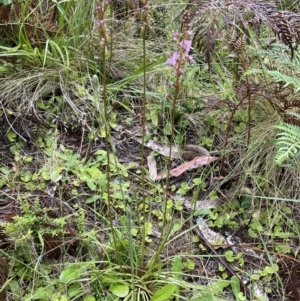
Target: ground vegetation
(149,150)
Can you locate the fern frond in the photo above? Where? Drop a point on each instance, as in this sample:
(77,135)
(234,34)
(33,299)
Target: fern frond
(288,141)
(296,115)
(278,58)
(288,80)
(284,74)
(209,18)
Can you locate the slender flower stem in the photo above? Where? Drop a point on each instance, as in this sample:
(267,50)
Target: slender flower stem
(177,60)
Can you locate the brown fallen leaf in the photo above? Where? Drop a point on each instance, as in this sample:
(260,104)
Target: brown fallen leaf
(193,164)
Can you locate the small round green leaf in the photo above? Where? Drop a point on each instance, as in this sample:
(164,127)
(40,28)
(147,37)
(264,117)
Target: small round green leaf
(11,136)
(241,296)
(119,289)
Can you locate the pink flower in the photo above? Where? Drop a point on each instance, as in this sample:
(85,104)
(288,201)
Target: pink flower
(101,22)
(173,59)
(176,34)
(186,45)
(190,59)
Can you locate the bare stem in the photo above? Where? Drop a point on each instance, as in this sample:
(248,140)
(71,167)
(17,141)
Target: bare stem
(101,9)
(144,105)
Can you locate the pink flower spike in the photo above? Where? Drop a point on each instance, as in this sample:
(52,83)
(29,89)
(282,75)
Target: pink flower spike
(190,59)
(187,45)
(190,32)
(173,59)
